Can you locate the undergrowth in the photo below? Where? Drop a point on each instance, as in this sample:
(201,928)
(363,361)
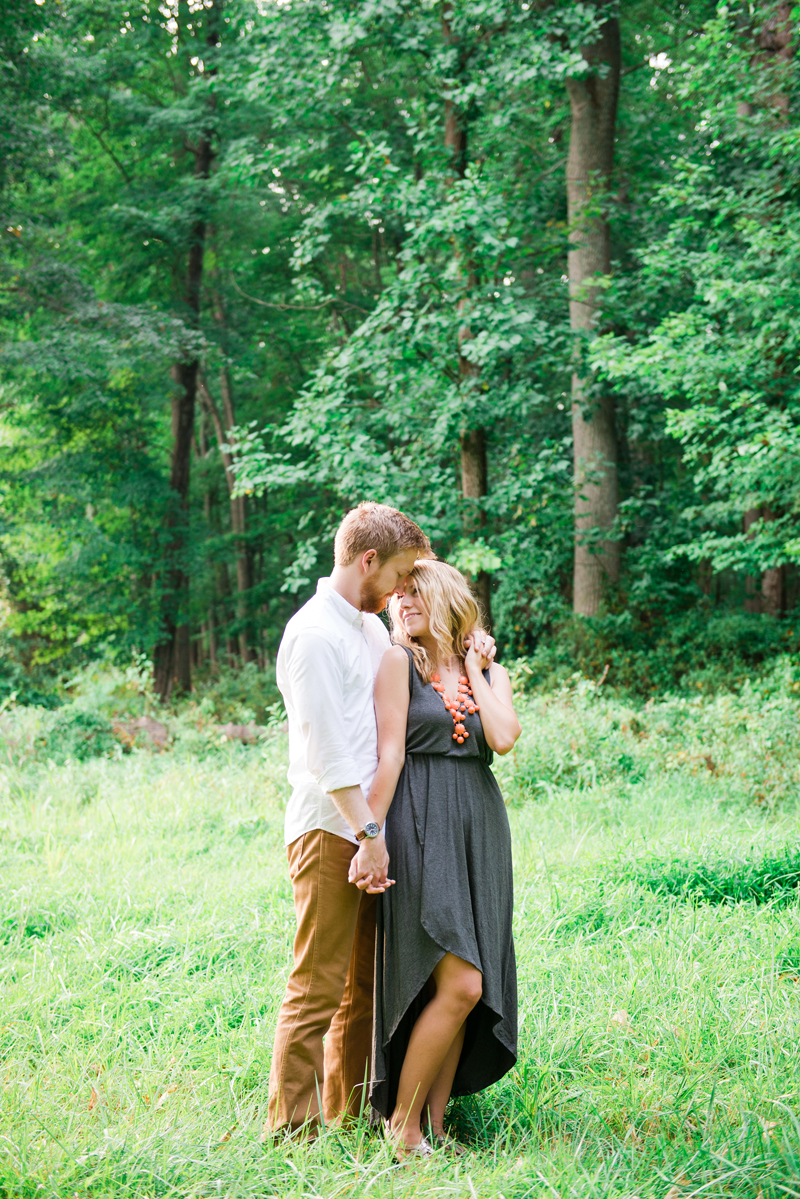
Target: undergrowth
(641,655)
(716,879)
(145,932)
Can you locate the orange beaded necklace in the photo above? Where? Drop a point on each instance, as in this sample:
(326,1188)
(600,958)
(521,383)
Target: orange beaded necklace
(457,708)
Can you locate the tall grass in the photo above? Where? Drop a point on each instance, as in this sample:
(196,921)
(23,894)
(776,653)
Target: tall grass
(145,924)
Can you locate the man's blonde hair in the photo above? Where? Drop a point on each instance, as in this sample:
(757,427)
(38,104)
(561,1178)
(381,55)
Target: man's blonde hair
(453,614)
(377,527)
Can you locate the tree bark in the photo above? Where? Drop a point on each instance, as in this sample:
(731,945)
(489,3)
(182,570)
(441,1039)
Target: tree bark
(774,54)
(593,105)
(775,51)
(769,596)
(172,661)
(244,573)
(172,658)
(472,438)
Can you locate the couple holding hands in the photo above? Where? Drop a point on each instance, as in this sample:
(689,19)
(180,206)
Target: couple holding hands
(398,844)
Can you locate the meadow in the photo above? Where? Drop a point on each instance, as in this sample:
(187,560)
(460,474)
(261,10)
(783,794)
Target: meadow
(145,925)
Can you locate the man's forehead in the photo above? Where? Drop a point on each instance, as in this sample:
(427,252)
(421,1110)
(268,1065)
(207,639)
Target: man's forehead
(403,562)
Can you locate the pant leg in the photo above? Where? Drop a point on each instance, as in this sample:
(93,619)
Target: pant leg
(326,906)
(348,1045)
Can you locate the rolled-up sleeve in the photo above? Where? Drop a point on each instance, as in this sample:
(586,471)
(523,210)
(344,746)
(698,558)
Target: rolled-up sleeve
(315,675)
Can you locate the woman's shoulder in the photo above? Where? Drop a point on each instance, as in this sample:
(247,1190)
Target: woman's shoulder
(496,671)
(395,658)
(398,653)
(392,672)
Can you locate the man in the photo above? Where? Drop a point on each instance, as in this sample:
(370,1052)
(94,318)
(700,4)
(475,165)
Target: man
(327,663)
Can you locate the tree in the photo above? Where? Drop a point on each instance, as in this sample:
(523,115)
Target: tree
(725,346)
(593,105)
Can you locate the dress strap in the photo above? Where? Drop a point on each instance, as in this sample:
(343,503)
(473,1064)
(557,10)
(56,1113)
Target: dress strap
(411,670)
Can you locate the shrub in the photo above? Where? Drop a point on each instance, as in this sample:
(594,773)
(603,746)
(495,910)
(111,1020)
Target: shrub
(773,880)
(701,650)
(76,733)
(743,747)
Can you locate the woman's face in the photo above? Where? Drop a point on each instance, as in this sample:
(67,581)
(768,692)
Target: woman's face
(413,612)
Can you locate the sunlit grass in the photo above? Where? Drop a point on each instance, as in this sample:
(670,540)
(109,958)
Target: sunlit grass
(145,923)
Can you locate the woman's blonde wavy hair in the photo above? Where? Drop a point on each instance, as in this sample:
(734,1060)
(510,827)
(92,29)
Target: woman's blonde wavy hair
(453,614)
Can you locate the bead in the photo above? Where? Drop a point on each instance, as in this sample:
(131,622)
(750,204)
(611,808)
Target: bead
(458,707)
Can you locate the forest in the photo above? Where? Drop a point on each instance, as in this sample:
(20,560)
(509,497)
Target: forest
(526,270)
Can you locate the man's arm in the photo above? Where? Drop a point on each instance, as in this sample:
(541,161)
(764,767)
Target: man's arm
(370,864)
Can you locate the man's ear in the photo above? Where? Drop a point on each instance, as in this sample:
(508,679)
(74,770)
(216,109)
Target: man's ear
(367,558)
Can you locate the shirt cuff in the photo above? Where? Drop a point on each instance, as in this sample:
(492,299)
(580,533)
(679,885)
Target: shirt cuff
(341,774)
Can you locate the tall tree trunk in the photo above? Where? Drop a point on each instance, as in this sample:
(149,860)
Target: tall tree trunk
(593,104)
(472,439)
(172,658)
(172,661)
(768,597)
(244,571)
(775,51)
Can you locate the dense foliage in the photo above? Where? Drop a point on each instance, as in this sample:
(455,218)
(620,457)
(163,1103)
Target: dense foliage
(263,261)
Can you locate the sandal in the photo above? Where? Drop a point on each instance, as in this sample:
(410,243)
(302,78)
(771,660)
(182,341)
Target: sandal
(402,1152)
(443,1140)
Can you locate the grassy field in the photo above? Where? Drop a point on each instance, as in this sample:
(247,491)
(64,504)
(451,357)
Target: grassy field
(145,923)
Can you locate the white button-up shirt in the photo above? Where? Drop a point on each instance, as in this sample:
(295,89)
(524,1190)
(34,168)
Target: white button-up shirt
(327,662)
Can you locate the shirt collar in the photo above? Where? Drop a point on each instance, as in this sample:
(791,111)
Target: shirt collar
(345,609)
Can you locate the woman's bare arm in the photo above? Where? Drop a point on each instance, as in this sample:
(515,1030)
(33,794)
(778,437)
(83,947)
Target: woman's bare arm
(391,711)
(500,725)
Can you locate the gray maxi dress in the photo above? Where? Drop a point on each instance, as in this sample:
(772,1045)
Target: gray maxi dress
(450,851)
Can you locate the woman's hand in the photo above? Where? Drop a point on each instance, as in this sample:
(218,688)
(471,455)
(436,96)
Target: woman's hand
(484,647)
(474,657)
(369,867)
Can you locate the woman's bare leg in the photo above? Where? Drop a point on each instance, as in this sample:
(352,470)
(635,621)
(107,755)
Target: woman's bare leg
(439,1094)
(458,988)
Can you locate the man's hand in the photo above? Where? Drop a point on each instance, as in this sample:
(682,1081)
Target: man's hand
(368,869)
(484,646)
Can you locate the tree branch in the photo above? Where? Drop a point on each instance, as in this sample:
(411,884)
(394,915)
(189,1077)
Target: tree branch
(79,117)
(299,307)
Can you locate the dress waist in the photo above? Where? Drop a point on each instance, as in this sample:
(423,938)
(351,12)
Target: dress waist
(426,753)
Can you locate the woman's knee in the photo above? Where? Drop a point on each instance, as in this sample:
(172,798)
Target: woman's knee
(468,989)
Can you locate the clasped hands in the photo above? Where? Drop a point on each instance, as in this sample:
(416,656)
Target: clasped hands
(370,865)
(369,868)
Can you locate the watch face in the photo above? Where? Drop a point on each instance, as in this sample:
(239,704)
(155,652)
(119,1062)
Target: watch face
(372,829)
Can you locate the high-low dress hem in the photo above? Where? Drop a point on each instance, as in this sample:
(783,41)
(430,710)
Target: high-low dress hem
(450,850)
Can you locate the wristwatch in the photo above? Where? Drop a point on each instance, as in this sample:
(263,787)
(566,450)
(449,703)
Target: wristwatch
(371,829)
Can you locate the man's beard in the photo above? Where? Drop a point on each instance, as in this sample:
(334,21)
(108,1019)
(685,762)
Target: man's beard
(370,599)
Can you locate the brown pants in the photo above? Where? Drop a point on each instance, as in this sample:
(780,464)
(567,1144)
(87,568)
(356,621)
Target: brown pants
(329,992)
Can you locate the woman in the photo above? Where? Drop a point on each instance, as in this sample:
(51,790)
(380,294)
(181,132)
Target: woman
(445,1001)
